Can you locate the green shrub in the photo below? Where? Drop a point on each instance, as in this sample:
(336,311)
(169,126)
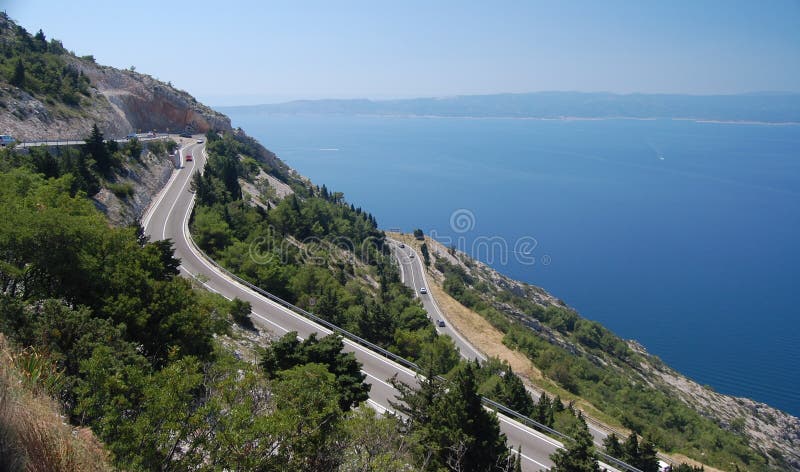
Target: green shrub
(121,190)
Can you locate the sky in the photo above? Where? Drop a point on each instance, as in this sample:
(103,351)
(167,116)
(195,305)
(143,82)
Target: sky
(249,52)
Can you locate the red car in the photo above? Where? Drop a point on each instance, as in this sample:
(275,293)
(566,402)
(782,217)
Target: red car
(188,158)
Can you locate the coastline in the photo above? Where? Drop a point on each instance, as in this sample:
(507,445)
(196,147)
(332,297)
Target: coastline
(566,118)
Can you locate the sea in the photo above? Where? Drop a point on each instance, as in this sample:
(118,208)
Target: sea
(682,235)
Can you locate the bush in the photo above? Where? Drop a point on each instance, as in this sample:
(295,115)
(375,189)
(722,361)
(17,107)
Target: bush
(121,190)
(240,312)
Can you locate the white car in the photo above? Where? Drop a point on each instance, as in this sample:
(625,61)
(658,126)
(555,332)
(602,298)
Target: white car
(423,290)
(199,141)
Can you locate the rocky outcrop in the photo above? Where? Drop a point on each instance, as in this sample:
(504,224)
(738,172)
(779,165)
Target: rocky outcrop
(142,103)
(119,102)
(145,178)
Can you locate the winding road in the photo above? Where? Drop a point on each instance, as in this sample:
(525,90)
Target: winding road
(168,217)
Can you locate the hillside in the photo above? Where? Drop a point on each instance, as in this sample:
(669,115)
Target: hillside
(484,304)
(766,107)
(48,93)
(151,363)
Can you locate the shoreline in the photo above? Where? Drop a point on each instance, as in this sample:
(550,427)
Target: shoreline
(566,118)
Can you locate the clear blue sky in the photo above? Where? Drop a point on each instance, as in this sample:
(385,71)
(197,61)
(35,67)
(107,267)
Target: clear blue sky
(242,51)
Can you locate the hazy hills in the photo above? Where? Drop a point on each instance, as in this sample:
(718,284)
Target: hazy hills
(761,107)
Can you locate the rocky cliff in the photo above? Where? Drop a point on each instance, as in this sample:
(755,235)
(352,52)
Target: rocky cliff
(139,102)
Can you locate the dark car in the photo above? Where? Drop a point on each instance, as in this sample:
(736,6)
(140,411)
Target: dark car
(440,323)
(185,135)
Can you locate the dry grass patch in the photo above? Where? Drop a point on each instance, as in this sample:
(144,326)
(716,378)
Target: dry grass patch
(34,436)
(482,335)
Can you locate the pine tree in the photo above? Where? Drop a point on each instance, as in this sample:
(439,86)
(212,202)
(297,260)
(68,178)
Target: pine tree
(613,447)
(461,410)
(578,452)
(631,448)
(97,150)
(18,77)
(426,257)
(648,457)
(543,412)
(510,391)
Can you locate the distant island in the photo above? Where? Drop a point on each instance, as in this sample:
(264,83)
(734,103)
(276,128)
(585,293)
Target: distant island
(765,107)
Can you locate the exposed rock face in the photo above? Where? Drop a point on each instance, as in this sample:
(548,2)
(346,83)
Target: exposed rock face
(146,178)
(143,103)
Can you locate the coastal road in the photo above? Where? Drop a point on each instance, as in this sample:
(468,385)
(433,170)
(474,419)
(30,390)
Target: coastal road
(413,275)
(168,217)
(79,142)
(412,272)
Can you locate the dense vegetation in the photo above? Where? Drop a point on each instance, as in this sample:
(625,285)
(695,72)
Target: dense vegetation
(98,163)
(601,370)
(314,250)
(38,66)
(130,349)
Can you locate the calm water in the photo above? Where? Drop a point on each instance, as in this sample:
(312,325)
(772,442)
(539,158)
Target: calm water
(681,235)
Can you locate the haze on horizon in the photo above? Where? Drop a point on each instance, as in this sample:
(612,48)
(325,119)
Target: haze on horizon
(252,52)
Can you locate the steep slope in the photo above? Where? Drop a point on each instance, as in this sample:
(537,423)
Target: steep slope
(517,313)
(47,93)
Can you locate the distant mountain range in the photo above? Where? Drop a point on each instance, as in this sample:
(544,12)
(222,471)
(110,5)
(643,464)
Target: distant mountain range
(761,107)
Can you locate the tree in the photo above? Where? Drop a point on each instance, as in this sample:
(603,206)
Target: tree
(648,457)
(578,452)
(96,148)
(288,352)
(40,41)
(18,76)
(426,257)
(461,411)
(133,148)
(307,418)
(510,391)
(418,234)
(631,449)
(642,455)
(240,312)
(545,410)
(613,447)
(450,425)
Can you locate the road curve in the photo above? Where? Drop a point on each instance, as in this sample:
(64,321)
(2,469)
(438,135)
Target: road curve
(414,276)
(168,217)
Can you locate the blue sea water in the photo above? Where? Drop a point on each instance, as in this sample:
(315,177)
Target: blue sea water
(681,235)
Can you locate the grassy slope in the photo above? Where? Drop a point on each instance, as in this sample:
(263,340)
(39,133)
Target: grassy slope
(33,432)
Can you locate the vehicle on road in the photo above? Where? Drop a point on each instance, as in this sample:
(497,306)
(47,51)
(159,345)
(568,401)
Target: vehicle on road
(411,255)
(440,323)
(131,136)
(402,245)
(188,158)
(199,141)
(423,290)
(6,140)
(185,135)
